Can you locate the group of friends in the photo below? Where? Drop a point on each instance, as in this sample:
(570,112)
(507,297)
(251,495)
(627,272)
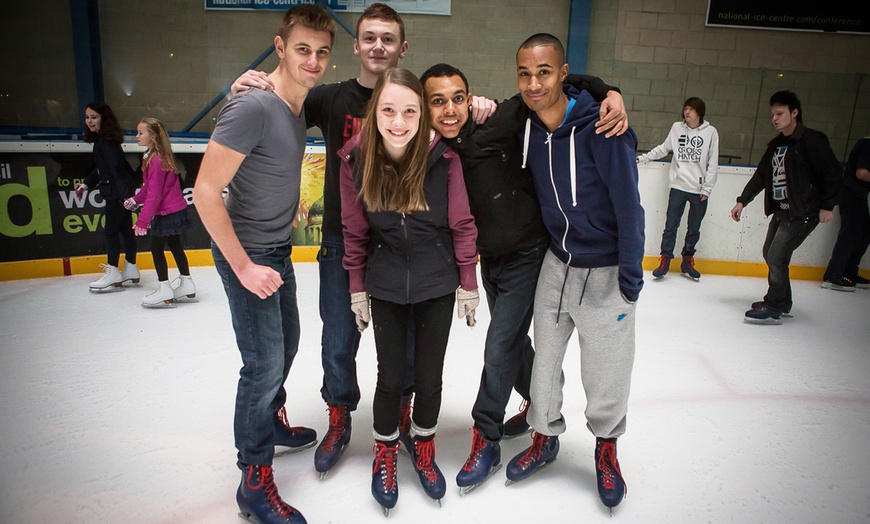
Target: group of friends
(422,180)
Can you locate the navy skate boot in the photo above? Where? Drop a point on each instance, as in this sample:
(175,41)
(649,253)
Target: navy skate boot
(542,451)
(785,312)
(385,486)
(763,314)
(430,474)
(611,485)
(337,438)
(405,424)
(687,268)
(484,460)
(259,501)
(289,439)
(517,426)
(664,267)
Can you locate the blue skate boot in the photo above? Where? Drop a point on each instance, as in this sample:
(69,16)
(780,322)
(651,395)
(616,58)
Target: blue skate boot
(337,438)
(611,485)
(517,425)
(484,460)
(430,474)
(259,501)
(664,267)
(687,268)
(290,439)
(761,313)
(542,451)
(785,312)
(385,486)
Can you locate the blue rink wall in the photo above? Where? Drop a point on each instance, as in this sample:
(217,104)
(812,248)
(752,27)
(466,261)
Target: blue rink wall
(47,231)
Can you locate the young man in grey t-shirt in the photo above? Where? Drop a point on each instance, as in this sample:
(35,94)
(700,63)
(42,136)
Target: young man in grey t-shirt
(256,153)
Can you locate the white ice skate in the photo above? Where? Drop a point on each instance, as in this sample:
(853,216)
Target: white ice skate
(110,281)
(130,273)
(183,289)
(161,298)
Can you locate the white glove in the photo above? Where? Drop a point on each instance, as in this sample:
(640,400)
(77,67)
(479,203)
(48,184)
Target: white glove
(80,188)
(130,204)
(359,304)
(466,303)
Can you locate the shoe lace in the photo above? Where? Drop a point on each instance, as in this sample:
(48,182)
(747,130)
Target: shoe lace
(267,483)
(425,457)
(337,418)
(282,418)
(608,464)
(534,452)
(689,261)
(385,461)
(477,446)
(663,262)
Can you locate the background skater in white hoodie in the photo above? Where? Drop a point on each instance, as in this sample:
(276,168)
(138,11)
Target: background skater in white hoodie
(694,166)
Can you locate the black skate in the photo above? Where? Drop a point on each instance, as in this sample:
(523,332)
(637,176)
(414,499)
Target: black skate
(259,501)
(687,268)
(664,267)
(332,446)
(482,463)
(763,314)
(290,439)
(385,486)
(517,425)
(430,474)
(611,485)
(542,451)
(785,312)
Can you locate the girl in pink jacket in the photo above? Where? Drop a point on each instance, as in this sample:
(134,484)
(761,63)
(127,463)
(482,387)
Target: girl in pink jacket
(165,210)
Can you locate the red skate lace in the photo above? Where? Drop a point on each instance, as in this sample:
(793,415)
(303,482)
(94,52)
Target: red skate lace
(336,427)
(690,261)
(385,460)
(267,482)
(534,452)
(607,464)
(425,456)
(663,262)
(477,445)
(282,416)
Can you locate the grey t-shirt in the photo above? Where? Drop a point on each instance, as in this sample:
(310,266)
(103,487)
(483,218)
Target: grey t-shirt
(264,194)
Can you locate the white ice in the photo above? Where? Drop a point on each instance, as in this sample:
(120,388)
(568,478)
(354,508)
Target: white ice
(112,413)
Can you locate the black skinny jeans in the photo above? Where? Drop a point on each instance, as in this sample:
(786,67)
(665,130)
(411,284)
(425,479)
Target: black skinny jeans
(158,246)
(432,320)
(119,224)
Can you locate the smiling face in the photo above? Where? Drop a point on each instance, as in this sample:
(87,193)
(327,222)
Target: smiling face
(93,120)
(783,120)
(143,136)
(378,45)
(539,76)
(448,104)
(398,115)
(305,55)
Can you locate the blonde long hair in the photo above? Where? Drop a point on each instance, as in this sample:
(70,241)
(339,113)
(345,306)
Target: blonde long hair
(160,145)
(387,185)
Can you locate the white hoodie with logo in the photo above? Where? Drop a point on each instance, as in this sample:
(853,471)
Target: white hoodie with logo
(695,163)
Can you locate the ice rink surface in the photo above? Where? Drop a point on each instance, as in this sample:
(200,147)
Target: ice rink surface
(112,413)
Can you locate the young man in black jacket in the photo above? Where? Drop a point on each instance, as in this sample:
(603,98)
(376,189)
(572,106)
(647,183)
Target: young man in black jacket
(801,180)
(511,241)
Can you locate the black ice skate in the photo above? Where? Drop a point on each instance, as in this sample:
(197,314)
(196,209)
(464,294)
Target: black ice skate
(385,486)
(290,439)
(763,314)
(687,268)
(542,451)
(482,463)
(611,485)
(332,446)
(664,267)
(259,501)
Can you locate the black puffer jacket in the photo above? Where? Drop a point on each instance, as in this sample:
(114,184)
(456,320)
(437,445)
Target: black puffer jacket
(113,174)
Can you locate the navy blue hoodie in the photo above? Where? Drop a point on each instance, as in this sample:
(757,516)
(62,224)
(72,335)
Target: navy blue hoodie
(587,186)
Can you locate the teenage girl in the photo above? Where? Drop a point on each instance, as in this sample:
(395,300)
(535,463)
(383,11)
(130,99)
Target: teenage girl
(409,242)
(165,209)
(114,178)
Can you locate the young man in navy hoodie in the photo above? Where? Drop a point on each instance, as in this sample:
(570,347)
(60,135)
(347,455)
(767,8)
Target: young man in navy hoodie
(592,275)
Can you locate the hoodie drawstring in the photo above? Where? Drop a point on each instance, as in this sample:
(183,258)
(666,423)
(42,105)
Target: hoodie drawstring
(573,169)
(526,140)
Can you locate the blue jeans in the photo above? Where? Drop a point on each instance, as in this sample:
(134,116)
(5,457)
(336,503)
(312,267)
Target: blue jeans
(509,282)
(340,338)
(676,205)
(784,236)
(267,333)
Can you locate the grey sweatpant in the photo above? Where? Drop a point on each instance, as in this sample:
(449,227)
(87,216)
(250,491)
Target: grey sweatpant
(604,320)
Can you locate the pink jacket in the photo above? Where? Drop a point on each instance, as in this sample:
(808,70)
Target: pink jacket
(160,193)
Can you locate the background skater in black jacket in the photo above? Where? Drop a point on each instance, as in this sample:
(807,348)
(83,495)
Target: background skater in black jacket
(511,241)
(801,179)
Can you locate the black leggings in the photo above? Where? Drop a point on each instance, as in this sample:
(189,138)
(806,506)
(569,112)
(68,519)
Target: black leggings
(432,319)
(119,224)
(157,252)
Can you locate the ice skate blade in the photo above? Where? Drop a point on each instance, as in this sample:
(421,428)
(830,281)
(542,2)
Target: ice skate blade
(247,516)
(132,281)
(110,289)
(690,277)
(160,305)
(287,450)
(832,287)
(763,321)
(185,300)
(464,490)
(386,511)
